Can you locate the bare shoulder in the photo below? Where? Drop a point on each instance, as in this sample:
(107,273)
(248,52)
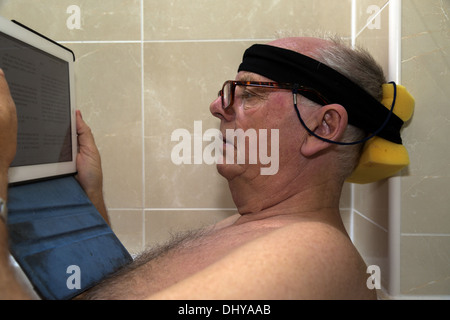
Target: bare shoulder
(319,261)
(298,261)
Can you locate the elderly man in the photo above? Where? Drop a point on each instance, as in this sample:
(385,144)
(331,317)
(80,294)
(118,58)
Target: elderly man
(288,240)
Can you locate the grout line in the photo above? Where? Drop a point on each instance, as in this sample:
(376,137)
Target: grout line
(100,41)
(371,221)
(143,123)
(425,234)
(209,40)
(163,41)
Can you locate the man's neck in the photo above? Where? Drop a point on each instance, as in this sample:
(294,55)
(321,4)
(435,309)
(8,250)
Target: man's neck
(307,201)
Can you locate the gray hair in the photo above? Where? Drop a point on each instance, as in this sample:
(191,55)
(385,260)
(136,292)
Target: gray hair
(359,66)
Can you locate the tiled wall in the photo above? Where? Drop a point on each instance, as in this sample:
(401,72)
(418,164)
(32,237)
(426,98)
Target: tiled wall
(422,267)
(425,220)
(147,67)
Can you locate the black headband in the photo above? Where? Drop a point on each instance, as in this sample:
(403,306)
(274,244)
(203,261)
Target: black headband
(282,65)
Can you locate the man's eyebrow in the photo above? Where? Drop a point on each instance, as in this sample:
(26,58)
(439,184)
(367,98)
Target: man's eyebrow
(245,79)
(248,77)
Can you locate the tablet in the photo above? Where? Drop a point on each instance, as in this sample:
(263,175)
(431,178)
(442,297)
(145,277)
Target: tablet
(41,80)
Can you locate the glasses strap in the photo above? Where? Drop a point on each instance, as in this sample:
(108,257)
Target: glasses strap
(391,111)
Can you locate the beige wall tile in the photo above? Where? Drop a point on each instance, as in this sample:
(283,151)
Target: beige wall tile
(346,215)
(234,19)
(372,243)
(181,80)
(425,205)
(128,227)
(108,87)
(376,40)
(426,74)
(346,196)
(100,20)
(425,265)
(426,79)
(185,186)
(372,201)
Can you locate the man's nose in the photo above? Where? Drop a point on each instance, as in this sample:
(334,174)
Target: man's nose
(216,110)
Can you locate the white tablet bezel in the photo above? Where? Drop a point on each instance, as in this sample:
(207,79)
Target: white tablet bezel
(22,174)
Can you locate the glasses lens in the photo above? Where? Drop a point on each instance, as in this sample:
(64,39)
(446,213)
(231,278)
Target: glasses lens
(226,94)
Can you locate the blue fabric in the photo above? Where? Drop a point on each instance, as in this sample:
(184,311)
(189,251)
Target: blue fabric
(52,226)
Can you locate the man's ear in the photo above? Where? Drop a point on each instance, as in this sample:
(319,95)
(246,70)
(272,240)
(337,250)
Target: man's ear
(330,123)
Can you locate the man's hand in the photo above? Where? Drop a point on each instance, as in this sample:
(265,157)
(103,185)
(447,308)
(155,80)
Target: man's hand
(89,167)
(8,141)
(8,125)
(9,287)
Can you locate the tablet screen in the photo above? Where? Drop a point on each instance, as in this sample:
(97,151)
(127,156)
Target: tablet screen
(38,72)
(39,85)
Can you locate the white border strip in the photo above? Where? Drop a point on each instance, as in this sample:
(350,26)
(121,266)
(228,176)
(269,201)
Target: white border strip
(394,236)
(143,121)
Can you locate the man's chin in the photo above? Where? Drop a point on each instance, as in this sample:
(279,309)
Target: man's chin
(230,171)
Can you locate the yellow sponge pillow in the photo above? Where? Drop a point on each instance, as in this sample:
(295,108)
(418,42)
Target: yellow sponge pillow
(380,158)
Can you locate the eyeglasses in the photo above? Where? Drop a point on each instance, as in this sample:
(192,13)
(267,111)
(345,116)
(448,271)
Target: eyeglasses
(228,90)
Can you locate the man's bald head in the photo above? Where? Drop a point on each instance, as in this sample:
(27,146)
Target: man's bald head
(307,46)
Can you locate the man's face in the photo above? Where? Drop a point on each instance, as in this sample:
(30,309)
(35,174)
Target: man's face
(258,110)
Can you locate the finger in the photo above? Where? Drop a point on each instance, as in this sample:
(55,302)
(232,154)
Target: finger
(5,93)
(4,88)
(84,132)
(8,124)
(80,122)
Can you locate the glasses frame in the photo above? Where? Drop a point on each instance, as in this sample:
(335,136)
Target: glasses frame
(295,88)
